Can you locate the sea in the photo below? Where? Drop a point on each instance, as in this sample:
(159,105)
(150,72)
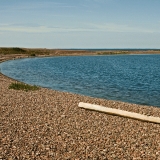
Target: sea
(126,78)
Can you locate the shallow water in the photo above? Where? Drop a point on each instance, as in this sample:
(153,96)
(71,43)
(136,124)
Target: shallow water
(128,78)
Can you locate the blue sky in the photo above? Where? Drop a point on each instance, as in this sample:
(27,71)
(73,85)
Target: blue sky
(80,23)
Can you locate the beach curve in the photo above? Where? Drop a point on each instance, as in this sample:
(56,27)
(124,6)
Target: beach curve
(48,124)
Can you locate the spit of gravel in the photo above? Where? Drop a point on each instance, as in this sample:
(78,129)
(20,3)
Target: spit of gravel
(48,124)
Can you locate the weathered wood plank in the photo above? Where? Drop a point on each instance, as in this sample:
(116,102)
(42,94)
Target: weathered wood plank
(119,112)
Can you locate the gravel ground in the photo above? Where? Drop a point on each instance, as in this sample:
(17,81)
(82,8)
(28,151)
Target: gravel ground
(47,124)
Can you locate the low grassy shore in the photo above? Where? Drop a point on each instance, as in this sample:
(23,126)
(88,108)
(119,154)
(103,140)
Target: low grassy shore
(47,124)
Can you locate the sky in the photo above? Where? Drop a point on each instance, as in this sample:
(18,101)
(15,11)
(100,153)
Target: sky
(80,23)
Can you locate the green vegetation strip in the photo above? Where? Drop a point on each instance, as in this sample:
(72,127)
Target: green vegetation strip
(114,52)
(22,86)
(12,51)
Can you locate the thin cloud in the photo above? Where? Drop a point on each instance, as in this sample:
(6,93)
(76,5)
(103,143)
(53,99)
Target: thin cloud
(33,6)
(110,27)
(39,29)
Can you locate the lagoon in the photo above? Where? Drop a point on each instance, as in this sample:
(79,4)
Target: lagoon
(128,78)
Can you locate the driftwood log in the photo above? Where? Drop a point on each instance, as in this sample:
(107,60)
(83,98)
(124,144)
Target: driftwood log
(119,112)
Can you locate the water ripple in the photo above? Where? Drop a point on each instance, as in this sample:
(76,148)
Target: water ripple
(129,78)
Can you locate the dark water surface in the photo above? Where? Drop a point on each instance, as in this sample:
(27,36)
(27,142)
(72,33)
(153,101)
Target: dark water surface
(128,78)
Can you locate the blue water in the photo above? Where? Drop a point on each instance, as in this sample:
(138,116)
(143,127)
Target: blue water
(128,78)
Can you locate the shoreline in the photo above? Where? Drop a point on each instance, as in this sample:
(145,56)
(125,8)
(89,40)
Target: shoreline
(48,124)
(90,54)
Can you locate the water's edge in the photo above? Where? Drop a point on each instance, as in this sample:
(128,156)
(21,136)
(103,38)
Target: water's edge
(62,90)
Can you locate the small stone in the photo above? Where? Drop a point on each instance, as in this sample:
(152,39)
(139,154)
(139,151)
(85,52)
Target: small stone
(63,116)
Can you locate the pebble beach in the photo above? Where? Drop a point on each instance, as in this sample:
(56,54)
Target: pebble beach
(48,125)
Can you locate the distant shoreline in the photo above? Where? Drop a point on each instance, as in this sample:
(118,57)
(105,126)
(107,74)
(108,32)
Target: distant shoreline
(15,52)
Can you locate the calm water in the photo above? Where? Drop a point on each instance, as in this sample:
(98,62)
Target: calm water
(128,78)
